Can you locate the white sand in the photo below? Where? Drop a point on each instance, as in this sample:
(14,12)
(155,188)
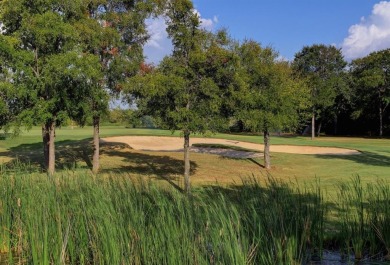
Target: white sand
(156,143)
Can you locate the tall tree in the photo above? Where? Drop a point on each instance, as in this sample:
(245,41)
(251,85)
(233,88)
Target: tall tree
(271,97)
(115,31)
(39,50)
(185,92)
(323,67)
(372,84)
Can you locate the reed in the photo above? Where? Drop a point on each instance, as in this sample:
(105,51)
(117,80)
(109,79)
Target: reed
(75,218)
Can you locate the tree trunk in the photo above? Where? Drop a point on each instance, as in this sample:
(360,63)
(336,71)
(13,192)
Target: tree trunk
(380,120)
(48,138)
(267,158)
(96,145)
(313,126)
(45,140)
(335,128)
(187,184)
(319,129)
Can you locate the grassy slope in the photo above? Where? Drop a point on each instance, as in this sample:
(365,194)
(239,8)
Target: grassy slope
(374,162)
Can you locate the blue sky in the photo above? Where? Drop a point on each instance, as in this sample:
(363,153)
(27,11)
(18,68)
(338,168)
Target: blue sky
(358,27)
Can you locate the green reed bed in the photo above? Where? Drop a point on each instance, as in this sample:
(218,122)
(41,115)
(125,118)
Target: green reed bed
(81,219)
(364,216)
(76,218)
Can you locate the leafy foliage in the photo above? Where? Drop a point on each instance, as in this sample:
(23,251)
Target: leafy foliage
(372,85)
(271,98)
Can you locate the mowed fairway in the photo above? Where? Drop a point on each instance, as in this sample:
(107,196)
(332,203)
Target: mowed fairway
(73,152)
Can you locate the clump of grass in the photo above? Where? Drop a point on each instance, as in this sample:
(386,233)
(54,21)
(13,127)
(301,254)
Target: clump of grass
(75,218)
(379,216)
(364,219)
(353,217)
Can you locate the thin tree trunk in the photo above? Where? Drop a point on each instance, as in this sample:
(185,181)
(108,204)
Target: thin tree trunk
(335,128)
(45,140)
(380,120)
(313,126)
(267,158)
(187,184)
(319,129)
(96,145)
(52,155)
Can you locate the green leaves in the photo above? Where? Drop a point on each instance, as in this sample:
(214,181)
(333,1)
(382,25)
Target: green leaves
(47,33)
(187,90)
(371,76)
(270,97)
(323,67)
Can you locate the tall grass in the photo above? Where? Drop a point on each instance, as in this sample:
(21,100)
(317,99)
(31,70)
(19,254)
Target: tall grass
(76,218)
(364,215)
(81,219)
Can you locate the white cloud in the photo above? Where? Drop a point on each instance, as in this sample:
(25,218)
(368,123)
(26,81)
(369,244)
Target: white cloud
(371,34)
(159,45)
(157,30)
(206,23)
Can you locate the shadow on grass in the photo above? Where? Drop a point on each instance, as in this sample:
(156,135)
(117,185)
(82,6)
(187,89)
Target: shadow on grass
(69,154)
(365,158)
(78,155)
(250,159)
(159,166)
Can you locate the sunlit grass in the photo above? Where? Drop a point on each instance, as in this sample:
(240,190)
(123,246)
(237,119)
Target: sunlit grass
(74,151)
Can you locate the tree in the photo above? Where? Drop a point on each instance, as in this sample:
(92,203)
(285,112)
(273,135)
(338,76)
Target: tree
(114,31)
(372,84)
(41,31)
(323,67)
(271,98)
(185,92)
(48,74)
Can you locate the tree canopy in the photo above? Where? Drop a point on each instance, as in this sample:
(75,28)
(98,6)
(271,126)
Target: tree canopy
(62,58)
(323,67)
(186,91)
(271,97)
(372,85)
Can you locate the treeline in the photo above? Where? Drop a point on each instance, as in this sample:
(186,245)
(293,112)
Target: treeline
(63,60)
(347,98)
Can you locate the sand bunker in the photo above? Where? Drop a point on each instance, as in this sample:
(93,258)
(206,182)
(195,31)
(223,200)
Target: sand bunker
(156,143)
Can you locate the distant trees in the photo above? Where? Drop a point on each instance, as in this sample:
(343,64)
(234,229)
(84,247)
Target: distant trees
(372,86)
(323,67)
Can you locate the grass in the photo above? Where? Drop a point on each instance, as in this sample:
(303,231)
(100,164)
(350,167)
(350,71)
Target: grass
(80,219)
(77,218)
(74,152)
(133,213)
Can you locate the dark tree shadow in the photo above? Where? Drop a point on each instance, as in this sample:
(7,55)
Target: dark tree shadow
(69,154)
(158,166)
(255,162)
(252,160)
(78,154)
(365,158)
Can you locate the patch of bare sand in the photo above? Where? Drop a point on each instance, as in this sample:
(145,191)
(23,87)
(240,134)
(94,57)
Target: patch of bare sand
(159,143)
